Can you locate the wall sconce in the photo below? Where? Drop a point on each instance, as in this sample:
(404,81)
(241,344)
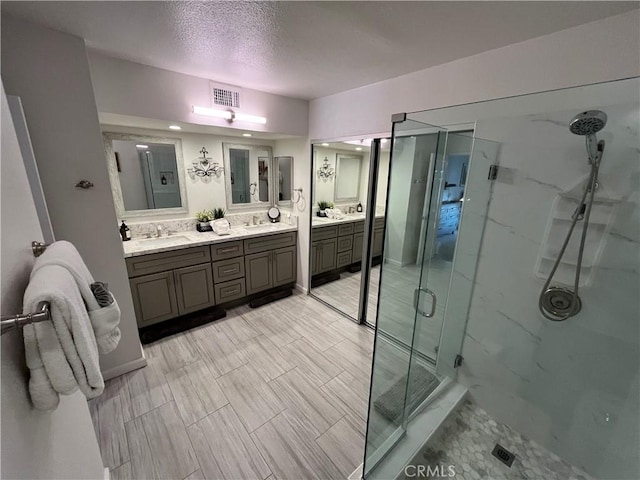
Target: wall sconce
(229,115)
(204,168)
(326,172)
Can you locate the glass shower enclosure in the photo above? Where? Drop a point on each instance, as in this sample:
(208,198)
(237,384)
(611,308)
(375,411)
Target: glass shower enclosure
(439,185)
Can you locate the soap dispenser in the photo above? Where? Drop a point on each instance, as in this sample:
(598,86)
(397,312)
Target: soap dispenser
(359,207)
(125,233)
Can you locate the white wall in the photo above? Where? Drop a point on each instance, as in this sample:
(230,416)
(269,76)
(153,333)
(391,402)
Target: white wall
(50,72)
(600,51)
(62,443)
(129,88)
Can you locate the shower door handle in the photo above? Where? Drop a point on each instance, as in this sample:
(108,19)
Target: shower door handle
(416,301)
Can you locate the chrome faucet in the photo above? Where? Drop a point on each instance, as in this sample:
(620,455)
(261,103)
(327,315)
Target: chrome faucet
(352,209)
(158,230)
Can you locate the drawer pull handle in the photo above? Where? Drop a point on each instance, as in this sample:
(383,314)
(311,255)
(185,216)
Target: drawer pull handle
(230,270)
(228,250)
(235,290)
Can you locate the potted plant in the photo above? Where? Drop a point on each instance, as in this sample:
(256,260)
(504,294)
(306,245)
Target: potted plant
(322,206)
(204,218)
(220,224)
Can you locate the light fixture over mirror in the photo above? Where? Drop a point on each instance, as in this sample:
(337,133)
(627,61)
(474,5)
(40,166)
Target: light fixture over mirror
(204,167)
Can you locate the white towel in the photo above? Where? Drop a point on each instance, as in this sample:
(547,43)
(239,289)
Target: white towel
(61,354)
(105,320)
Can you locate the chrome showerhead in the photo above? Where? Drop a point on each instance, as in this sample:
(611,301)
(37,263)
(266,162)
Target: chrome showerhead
(588,123)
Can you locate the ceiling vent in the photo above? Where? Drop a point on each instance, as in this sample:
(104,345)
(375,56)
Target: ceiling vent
(225,95)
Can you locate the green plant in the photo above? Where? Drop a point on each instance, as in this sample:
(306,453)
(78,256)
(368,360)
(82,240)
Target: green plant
(218,213)
(204,216)
(323,205)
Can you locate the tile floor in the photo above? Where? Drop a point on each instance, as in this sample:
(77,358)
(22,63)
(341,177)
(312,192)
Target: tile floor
(466,440)
(275,392)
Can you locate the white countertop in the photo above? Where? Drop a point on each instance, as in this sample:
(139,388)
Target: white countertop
(349,217)
(145,246)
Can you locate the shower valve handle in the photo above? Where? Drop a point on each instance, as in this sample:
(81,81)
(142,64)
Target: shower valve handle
(416,301)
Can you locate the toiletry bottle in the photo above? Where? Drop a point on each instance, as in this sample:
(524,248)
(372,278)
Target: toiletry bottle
(125,233)
(359,207)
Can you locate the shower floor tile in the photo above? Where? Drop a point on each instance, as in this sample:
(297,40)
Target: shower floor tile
(466,441)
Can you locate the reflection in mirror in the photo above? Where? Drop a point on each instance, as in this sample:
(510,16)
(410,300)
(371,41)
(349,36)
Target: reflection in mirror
(341,176)
(145,173)
(248,182)
(284,175)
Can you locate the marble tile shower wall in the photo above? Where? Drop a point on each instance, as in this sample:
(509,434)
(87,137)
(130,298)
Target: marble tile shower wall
(572,386)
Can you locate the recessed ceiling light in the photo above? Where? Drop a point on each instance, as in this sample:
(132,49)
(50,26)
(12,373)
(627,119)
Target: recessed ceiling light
(325,144)
(247,135)
(358,148)
(142,147)
(175,127)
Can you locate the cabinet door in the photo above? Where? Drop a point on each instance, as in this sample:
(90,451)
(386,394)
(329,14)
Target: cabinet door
(377,242)
(315,251)
(357,247)
(154,298)
(194,288)
(327,256)
(284,266)
(259,272)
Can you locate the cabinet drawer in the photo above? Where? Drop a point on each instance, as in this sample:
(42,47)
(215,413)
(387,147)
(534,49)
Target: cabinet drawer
(228,269)
(269,242)
(161,262)
(222,251)
(343,259)
(322,233)
(346,229)
(358,226)
(345,243)
(227,291)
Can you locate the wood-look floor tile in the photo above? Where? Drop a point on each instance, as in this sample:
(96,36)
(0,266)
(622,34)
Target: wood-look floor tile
(123,472)
(320,336)
(197,475)
(344,445)
(352,392)
(220,354)
(264,357)
(142,462)
(147,388)
(350,358)
(173,352)
(224,448)
(290,454)
(195,391)
(307,402)
(311,361)
(251,397)
(170,447)
(272,324)
(236,328)
(111,434)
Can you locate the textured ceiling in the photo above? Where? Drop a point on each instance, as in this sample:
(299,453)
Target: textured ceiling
(305,49)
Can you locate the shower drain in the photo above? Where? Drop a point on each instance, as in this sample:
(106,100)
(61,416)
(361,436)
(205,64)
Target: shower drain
(559,302)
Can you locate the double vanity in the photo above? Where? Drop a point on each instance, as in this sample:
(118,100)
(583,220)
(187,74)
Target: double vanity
(191,271)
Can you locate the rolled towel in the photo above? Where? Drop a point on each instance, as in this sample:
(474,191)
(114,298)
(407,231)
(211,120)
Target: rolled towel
(105,320)
(101,292)
(61,353)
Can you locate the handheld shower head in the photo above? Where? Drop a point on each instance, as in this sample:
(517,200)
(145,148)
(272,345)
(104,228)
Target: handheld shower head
(588,123)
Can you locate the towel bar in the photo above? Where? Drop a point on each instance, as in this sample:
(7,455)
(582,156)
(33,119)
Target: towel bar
(38,248)
(10,322)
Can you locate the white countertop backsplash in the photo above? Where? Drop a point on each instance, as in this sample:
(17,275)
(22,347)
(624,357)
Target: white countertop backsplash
(185,235)
(351,217)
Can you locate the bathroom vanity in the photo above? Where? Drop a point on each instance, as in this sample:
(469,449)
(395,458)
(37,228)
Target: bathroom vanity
(191,271)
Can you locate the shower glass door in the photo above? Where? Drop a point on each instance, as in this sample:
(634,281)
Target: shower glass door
(437,180)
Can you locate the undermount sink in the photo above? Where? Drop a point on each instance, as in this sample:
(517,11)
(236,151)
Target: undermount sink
(265,227)
(159,241)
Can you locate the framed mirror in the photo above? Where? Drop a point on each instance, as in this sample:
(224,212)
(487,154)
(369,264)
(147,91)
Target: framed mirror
(146,174)
(283,180)
(347,182)
(248,184)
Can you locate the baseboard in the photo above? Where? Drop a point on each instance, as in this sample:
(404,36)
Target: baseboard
(393,262)
(124,368)
(301,289)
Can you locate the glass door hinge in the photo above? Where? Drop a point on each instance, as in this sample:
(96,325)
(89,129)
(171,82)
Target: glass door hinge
(493,172)
(457,362)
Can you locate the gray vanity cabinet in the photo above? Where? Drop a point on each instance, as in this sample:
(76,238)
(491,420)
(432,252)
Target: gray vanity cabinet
(326,251)
(356,252)
(284,266)
(154,298)
(194,288)
(270,269)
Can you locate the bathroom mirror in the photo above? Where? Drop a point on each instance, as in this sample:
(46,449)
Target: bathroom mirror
(146,174)
(248,184)
(347,184)
(284,180)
